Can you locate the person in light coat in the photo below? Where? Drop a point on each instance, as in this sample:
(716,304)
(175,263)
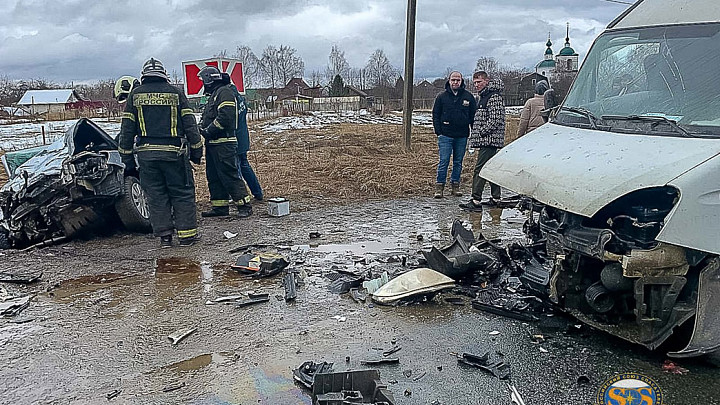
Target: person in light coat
(531,115)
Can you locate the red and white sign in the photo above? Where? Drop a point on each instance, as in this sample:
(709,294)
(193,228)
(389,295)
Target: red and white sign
(193,84)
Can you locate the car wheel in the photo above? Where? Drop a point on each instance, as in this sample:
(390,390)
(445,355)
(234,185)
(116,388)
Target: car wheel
(132,207)
(4,240)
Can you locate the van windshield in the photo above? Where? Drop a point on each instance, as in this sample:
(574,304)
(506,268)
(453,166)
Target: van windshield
(655,81)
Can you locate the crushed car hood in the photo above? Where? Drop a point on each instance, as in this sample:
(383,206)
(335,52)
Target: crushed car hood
(580,170)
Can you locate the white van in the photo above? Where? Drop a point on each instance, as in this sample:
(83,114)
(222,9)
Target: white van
(627,175)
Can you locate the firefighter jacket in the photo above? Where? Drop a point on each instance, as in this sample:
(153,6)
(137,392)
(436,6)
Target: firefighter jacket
(158,122)
(220,116)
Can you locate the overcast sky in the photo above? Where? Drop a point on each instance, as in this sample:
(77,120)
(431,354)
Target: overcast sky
(86,40)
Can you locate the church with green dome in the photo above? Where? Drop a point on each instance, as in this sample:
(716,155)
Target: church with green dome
(565,61)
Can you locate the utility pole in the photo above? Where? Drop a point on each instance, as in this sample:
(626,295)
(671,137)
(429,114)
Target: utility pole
(409,70)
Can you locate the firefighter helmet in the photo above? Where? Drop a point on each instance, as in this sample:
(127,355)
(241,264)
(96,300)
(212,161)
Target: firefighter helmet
(154,68)
(209,74)
(123,87)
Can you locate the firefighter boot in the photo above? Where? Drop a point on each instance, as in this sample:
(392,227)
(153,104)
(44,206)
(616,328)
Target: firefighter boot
(455,189)
(216,212)
(439,187)
(244,210)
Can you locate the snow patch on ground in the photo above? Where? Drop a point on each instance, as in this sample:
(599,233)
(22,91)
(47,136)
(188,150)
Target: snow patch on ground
(29,134)
(321,119)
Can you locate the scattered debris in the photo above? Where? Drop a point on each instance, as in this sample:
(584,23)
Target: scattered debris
(673,368)
(418,378)
(361,386)
(290,285)
(340,318)
(252,300)
(344,282)
(583,380)
(391,351)
(407,373)
(260,265)
(226,298)
(173,387)
(511,308)
(459,230)
(112,394)
(357,295)
(315,235)
(23,278)
(543,350)
(12,306)
(422,281)
(386,360)
(515,396)
(494,333)
(371,286)
(305,374)
(498,368)
(181,334)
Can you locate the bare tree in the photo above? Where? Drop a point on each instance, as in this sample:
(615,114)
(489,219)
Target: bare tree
(251,64)
(279,65)
(356,77)
(317,78)
(489,65)
(380,72)
(337,64)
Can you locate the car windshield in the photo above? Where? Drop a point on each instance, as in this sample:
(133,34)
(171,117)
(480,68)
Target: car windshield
(655,81)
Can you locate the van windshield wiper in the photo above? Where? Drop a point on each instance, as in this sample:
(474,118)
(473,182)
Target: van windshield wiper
(583,111)
(651,118)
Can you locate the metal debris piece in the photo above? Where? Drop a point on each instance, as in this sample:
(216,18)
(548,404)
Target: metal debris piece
(252,300)
(290,285)
(173,387)
(418,378)
(23,278)
(15,305)
(357,295)
(458,230)
(455,301)
(112,394)
(181,334)
(391,351)
(386,360)
(226,298)
(515,396)
(508,312)
(305,374)
(498,368)
(357,387)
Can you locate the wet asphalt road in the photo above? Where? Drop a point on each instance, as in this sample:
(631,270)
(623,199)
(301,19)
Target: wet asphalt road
(101,316)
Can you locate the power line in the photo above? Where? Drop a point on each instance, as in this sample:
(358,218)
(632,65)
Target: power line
(619,2)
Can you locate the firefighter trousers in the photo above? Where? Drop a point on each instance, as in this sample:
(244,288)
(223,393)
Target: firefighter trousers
(170,191)
(222,175)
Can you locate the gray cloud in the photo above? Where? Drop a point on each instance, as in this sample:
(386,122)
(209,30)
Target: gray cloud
(80,40)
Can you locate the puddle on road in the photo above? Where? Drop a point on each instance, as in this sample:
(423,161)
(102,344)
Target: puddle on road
(87,286)
(198,362)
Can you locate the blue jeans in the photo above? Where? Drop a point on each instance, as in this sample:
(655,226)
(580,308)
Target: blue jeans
(247,173)
(450,146)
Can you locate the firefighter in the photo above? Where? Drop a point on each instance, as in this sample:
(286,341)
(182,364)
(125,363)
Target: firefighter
(160,127)
(123,87)
(217,125)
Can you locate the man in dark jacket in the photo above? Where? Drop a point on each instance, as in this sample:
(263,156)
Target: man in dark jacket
(488,135)
(452,114)
(218,124)
(245,171)
(160,126)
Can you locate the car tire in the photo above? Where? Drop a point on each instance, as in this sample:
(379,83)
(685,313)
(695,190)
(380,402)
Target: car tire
(4,241)
(132,207)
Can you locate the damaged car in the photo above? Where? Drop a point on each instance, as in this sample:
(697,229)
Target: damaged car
(77,183)
(624,182)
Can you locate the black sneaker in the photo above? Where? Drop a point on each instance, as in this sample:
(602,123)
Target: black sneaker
(189,241)
(490,202)
(471,206)
(166,241)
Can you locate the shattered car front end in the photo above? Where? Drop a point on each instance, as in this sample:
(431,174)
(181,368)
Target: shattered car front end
(75,184)
(625,192)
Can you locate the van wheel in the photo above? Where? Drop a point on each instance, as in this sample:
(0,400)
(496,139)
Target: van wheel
(132,207)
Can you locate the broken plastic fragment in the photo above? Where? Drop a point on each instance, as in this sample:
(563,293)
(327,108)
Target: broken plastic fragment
(181,334)
(229,235)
